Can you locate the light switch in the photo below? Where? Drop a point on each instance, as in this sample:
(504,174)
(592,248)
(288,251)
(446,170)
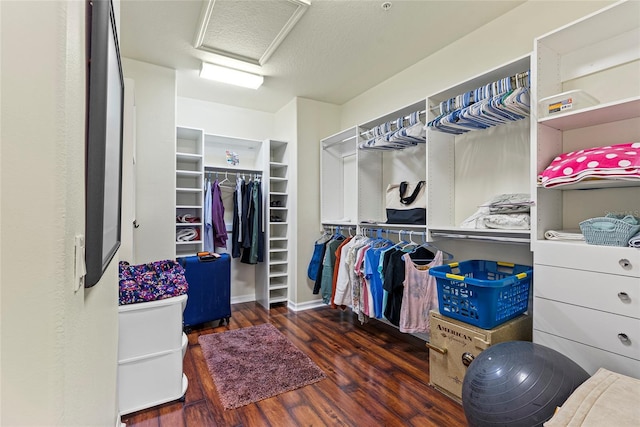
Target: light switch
(80,268)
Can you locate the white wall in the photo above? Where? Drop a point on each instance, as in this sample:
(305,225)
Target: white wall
(500,41)
(59,347)
(220,119)
(315,120)
(155,94)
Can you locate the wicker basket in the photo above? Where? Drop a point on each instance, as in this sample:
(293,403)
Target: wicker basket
(618,232)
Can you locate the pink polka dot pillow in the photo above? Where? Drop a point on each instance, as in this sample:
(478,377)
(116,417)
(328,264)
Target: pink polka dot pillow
(620,161)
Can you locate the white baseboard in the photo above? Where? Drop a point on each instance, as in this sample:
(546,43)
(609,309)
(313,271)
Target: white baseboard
(305,305)
(293,306)
(243,298)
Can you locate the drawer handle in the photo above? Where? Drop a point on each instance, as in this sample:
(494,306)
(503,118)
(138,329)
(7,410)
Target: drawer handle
(438,349)
(625,263)
(624,297)
(624,338)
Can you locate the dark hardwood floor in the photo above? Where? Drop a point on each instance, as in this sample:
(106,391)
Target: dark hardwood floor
(376,376)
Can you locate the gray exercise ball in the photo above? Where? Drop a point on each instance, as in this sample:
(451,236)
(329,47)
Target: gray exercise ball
(518,384)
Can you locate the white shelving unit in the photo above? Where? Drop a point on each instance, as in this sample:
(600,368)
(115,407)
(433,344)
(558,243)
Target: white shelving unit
(587,297)
(339,166)
(467,170)
(273,284)
(189,186)
(377,169)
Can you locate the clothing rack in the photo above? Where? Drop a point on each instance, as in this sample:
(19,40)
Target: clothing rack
(395,134)
(497,87)
(394,123)
(493,104)
(253,173)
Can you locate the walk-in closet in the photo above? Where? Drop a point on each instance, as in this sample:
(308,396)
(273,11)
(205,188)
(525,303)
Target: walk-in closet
(312,212)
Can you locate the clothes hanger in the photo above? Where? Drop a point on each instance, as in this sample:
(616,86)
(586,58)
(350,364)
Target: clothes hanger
(446,255)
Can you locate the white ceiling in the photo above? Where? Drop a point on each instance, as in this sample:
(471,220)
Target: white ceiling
(334,52)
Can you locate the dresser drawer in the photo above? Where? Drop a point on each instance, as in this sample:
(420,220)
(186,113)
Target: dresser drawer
(589,358)
(581,256)
(149,328)
(606,331)
(606,292)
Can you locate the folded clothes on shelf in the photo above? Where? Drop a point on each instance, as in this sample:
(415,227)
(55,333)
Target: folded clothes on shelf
(187,218)
(187,234)
(572,234)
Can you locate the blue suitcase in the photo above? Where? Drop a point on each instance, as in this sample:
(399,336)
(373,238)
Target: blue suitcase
(209,290)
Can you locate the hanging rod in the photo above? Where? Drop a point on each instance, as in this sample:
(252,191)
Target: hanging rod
(393,121)
(514,79)
(232,171)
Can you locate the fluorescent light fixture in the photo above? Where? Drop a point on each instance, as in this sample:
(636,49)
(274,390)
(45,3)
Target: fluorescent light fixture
(230,76)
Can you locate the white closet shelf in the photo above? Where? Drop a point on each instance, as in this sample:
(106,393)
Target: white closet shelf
(274,300)
(276,287)
(181,172)
(189,190)
(274,275)
(278,223)
(222,169)
(188,224)
(188,207)
(495,235)
(188,242)
(188,157)
(277,193)
(277,179)
(393,226)
(596,184)
(340,224)
(278,262)
(598,114)
(278,165)
(279,250)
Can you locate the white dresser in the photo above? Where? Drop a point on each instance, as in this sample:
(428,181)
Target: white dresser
(151,346)
(587,305)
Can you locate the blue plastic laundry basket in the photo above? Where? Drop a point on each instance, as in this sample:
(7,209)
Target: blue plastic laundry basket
(482,293)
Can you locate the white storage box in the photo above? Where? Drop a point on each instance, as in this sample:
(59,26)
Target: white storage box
(151,347)
(565,102)
(150,327)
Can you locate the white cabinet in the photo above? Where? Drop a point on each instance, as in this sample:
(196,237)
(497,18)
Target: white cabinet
(354,180)
(151,347)
(189,191)
(586,296)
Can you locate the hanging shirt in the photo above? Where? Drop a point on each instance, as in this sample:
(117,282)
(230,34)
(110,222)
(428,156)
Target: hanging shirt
(420,295)
(328,267)
(208,226)
(217,217)
(235,232)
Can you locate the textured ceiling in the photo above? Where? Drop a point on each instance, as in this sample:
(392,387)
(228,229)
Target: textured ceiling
(249,30)
(336,51)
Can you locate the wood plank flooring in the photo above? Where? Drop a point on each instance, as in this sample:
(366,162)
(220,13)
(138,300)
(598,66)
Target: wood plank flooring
(376,376)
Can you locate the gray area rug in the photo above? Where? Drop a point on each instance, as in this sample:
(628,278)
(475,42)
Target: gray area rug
(255,363)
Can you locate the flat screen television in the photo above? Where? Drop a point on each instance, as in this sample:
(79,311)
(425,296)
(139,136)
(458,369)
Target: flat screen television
(103,171)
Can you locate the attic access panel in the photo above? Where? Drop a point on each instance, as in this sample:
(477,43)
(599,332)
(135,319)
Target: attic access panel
(250,30)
